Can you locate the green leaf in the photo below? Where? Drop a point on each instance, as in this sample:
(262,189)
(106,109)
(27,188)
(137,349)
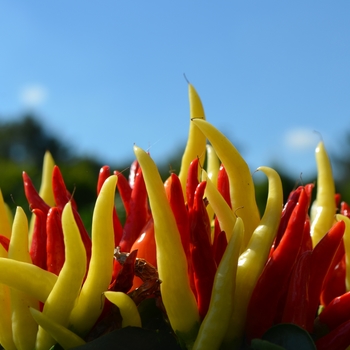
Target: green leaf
(290,337)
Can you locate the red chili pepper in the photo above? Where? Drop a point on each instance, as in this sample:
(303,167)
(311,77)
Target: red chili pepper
(307,240)
(5,242)
(37,249)
(124,190)
(192,182)
(176,200)
(117,227)
(55,242)
(134,168)
(219,242)
(337,198)
(345,209)
(138,216)
(334,284)
(224,185)
(204,265)
(61,194)
(286,213)
(337,339)
(32,195)
(273,280)
(321,260)
(336,312)
(297,302)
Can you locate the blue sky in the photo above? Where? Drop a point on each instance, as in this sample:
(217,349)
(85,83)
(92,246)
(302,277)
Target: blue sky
(105,75)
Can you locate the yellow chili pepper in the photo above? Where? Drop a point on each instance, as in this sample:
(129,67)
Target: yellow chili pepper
(177,296)
(213,165)
(24,328)
(196,142)
(127,307)
(46,191)
(242,189)
(62,335)
(5,222)
(60,302)
(90,302)
(6,339)
(214,326)
(346,239)
(251,262)
(225,215)
(323,209)
(27,277)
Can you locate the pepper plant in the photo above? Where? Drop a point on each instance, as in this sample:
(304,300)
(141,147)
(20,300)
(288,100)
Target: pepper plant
(194,266)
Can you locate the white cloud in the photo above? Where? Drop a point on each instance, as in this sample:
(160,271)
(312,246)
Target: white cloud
(301,139)
(33,95)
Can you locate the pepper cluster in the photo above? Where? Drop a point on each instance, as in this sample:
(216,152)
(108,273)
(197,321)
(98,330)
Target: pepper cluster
(222,275)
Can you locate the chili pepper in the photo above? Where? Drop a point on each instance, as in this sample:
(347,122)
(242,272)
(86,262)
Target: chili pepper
(321,259)
(346,240)
(125,278)
(242,190)
(46,191)
(146,244)
(6,339)
(134,168)
(251,262)
(222,210)
(213,165)
(323,208)
(177,203)
(55,243)
(138,216)
(5,223)
(177,296)
(297,302)
(336,312)
(219,242)
(61,194)
(33,198)
(192,181)
(196,142)
(24,328)
(88,306)
(62,335)
(4,241)
(127,307)
(334,286)
(306,243)
(274,278)
(224,184)
(204,265)
(337,339)
(63,296)
(345,209)
(118,229)
(286,213)
(124,190)
(37,250)
(213,328)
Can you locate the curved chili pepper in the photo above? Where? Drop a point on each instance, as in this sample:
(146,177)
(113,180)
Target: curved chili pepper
(204,265)
(60,192)
(38,250)
(138,216)
(33,198)
(337,339)
(4,241)
(321,259)
(306,243)
(345,209)
(196,141)
(55,242)
(118,229)
(124,190)
(274,278)
(336,312)
(219,242)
